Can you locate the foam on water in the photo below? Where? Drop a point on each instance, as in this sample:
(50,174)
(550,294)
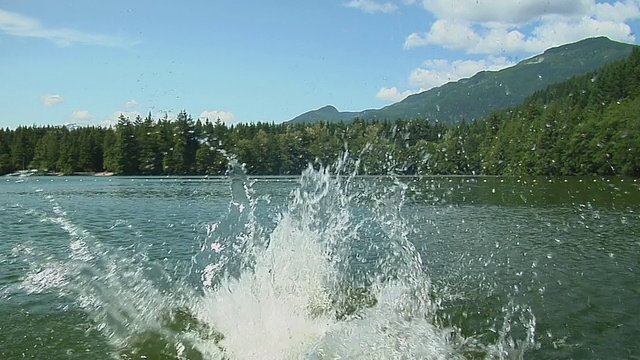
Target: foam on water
(296,291)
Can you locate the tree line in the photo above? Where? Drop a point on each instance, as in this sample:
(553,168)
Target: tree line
(586,125)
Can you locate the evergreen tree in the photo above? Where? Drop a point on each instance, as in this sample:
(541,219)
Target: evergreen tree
(110,158)
(150,147)
(6,165)
(126,149)
(68,154)
(181,157)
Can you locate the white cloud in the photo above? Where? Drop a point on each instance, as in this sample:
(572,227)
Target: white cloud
(51,99)
(371,6)
(549,34)
(553,34)
(525,26)
(20,25)
(451,34)
(131,104)
(393,94)
(618,11)
(213,115)
(81,116)
(510,12)
(434,73)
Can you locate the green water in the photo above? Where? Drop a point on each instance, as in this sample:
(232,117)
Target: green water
(499,252)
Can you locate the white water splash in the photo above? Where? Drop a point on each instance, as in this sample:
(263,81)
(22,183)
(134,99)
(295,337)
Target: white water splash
(285,293)
(284,305)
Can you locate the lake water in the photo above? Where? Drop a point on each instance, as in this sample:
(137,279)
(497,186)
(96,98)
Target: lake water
(319,267)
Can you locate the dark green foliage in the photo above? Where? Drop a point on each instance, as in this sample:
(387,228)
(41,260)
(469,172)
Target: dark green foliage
(22,147)
(181,156)
(586,125)
(126,149)
(68,153)
(47,151)
(5,164)
(110,162)
(149,140)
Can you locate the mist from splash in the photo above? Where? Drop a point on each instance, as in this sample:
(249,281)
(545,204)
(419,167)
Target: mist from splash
(336,277)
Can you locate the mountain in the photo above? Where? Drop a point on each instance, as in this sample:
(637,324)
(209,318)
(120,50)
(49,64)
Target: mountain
(478,96)
(324,113)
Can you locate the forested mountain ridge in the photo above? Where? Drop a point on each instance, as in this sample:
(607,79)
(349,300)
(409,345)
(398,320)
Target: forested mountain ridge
(589,124)
(487,91)
(326,113)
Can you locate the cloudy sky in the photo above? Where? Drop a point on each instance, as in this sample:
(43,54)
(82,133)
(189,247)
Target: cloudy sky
(241,61)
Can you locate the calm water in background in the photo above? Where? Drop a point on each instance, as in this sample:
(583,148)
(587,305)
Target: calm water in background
(499,251)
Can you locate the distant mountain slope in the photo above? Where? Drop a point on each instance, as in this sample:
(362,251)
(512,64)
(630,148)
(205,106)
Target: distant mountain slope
(487,91)
(324,113)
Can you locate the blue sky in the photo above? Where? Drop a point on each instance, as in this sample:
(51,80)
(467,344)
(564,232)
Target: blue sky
(86,62)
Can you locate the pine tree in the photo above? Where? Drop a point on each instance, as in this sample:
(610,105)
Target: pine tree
(126,149)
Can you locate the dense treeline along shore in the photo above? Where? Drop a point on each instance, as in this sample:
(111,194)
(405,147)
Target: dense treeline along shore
(586,125)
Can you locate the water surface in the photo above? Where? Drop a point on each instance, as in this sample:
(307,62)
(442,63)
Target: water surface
(318,267)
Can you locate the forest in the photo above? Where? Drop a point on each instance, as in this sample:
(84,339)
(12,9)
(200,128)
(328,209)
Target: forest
(586,125)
